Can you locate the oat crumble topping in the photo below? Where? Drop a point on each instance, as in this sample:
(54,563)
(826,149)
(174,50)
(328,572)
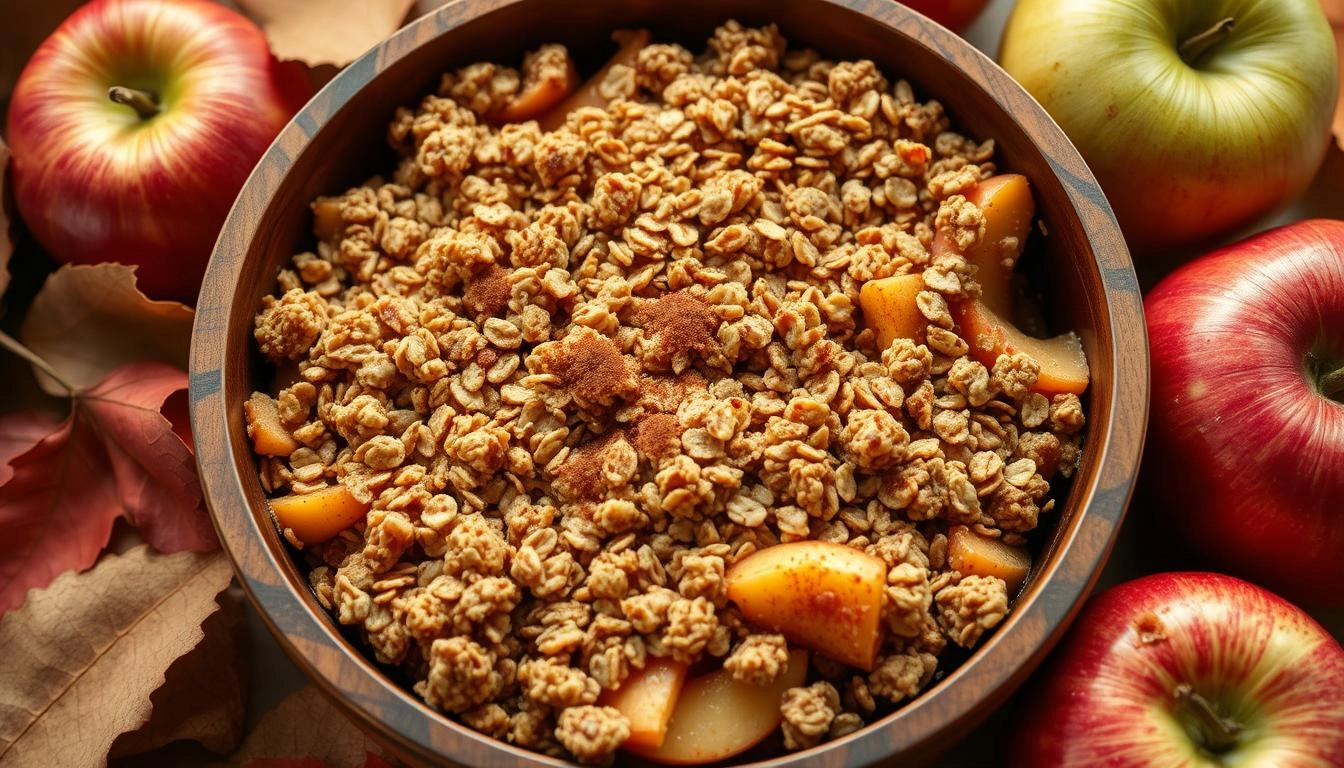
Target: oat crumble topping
(579,373)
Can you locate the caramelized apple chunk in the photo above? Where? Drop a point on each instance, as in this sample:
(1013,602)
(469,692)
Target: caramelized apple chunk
(820,595)
(269,436)
(1063,364)
(973,554)
(889,308)
(317,516)
(589,94)
(716,717)
(1006,203)
(647,698)
(550,77)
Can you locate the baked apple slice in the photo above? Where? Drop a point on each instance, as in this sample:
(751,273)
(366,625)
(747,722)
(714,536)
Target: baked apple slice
(317,516)
(1005,200)
(1062,360)
(717,717)
(820,595)
(539,95)
(889,308)
(588,94)
(269,436)
(647,698)
(973,554)
(985,323)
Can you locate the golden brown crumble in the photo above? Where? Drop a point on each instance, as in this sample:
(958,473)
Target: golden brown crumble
(577,374)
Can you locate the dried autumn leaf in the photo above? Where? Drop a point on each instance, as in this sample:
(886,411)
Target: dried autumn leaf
(84,655)
(325,31)
(306,725)
(19,432)
(114,456)
(1334,12)
(203,692)
(6,244)
(89,320)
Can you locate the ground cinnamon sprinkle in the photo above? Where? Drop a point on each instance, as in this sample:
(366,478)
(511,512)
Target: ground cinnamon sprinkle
(580,477)
(657,435)
(680,323)
(594,370)
(488,291)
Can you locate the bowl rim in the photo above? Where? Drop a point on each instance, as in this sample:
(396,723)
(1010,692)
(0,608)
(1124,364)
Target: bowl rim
(402,720)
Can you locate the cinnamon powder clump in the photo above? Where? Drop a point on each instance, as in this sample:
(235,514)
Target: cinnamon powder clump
(657,435)
(580,477)
(680,325)
(593,369)
(488,291)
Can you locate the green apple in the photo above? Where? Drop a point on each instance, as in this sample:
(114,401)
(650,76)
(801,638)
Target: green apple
(1198,117)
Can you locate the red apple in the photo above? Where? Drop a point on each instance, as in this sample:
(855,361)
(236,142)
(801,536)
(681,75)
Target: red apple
(134,126)
(1188,669)
(1246,433)
(956,15)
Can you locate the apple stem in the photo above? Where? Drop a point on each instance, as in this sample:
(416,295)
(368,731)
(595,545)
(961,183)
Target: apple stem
(1195,47)
(1217,734)
(1332,384)
(145,103)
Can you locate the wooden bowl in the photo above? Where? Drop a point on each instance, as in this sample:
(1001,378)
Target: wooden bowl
(326,149)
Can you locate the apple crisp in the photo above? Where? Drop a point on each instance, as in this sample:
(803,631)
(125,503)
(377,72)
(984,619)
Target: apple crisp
(568,378)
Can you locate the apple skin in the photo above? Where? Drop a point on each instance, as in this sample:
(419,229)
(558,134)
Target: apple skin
(94,182)
(1184,153)
(1107,695)
(1243,340)
(956,15)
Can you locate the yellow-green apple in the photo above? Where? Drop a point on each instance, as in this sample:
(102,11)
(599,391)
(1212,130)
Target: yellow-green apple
(1187,669)
(1197,117)
(1247,349)
(134,125)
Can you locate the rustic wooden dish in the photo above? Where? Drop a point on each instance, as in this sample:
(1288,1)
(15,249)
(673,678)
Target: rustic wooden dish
(327,148)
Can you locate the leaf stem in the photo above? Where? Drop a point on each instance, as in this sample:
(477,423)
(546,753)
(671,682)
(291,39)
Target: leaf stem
(145,103)
(17,347)
(1214,732)
(1195,47)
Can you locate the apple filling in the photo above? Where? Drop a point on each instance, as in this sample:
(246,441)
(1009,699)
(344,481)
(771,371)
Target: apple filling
(651,412)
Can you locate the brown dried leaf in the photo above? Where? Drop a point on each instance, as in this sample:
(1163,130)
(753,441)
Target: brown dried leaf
(306,725)
(89,320)
(84,655)
(202,697)
(115,455)
(6,244)
(1334,11)
(325,31)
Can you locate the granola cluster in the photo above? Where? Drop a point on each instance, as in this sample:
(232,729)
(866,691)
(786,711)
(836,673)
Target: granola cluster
(579,373)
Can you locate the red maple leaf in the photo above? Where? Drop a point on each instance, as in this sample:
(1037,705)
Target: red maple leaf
(115,455)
